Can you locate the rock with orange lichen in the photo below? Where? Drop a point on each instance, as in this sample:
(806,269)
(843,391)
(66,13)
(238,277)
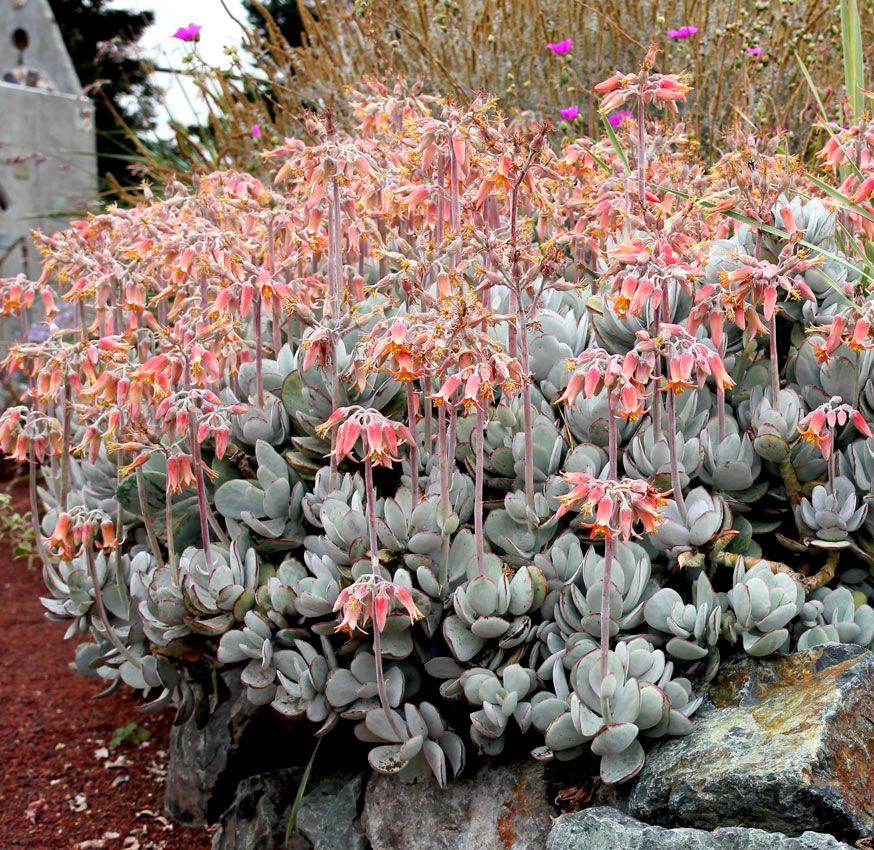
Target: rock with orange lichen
(784,744)
(501,807)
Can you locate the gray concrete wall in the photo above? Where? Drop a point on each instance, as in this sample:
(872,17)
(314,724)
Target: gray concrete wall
(46,53)
(48,170)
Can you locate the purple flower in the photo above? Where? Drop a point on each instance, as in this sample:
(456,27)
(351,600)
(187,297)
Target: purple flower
(682,32)
(560,48)
(618,117)
(570,113)
(189,33)
(255,132)
(755,50)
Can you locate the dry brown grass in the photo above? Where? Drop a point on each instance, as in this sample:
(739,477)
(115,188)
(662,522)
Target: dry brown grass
(459,47)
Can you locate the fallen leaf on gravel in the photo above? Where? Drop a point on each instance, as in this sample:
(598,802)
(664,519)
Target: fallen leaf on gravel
(102,753)
(148,813)
(120,780)
(121,761)
(32,810)
(79,803)
(131,843)
(91,844)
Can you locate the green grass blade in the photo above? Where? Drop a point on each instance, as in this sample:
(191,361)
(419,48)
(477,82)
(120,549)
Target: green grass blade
(614,140)
(825,119)
(776,231)
(839,196)
(854,66)
(298,798)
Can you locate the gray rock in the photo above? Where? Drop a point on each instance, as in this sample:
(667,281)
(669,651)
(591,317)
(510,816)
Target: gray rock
(328,815)
(201,774)
(783,744)
(607,829)
(257,818)
(502,807)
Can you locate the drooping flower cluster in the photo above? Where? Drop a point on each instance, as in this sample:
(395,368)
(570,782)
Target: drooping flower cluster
(615,505)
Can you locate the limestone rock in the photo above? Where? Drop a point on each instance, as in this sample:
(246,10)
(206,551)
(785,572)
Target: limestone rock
(784,744)
(604,828)
(503,807)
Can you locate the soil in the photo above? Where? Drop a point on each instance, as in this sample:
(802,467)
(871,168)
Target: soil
(63,786)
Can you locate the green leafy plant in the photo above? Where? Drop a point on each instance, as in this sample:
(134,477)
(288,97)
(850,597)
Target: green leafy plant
(130,734)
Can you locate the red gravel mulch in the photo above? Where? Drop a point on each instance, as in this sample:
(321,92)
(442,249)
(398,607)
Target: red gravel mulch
(63,788)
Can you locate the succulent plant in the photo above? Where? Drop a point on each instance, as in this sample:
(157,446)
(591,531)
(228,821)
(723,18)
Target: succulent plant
(306,396)
(416,743)
(310,683)
(730,464)
(219,590)
(763,604)
(832,516)
(649,457)
(579,602)
(358,458)
(353,691)
(269,423)
(636,696)
(504,445)
(493,607)
(271,508)
(706,515)
(587,419)
(775,426)
(561,335)
(73,592)
(517,531)
(833,615)
(501,698)
(254,643)
(691,629)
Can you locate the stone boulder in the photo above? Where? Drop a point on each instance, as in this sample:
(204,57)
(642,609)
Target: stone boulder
(326,820)
(501,807)
(202,773)
(257,818)
(783,744)
(328,815)
(604,828)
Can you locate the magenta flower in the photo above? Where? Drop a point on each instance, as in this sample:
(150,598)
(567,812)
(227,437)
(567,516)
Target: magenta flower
(560,48)
(618,117)
(570,113)
(189,33)
(682,32)
(755,50)
(255,132)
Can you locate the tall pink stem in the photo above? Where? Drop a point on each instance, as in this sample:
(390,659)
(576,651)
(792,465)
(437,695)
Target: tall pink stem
(526,410)
(672,454)
(478,492)
(775,365)
(414,446)
(612,434)
(371,516)
(641,153)
(259,348)
(202,507)
(609,545)
(445,473)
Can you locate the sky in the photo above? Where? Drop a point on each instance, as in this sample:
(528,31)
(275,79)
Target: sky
(219,30)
